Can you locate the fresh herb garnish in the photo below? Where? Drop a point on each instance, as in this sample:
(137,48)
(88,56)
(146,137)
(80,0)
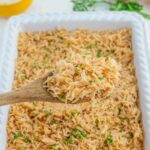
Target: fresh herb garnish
(17,135)
(23,77)
(34,103)
(77,69)
(117,5)
(57,49)
(107,58)
(90,81)
(54,145)
(27,139)
(126,5)
(101,78)
(46,63)
(109,140)
(35,66)
(81,65)
(99,54)
(83,5)
(48,112)
(88,47)
(69,140)
(73,113)
(97,124)
(124,117)
(121,116)
(63,97)
(79,134)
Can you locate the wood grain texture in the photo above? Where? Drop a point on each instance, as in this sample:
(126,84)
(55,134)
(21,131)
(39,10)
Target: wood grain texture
(34,91)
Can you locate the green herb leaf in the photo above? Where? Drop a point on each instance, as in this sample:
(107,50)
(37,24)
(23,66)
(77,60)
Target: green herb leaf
(63,97)
(124,117)
(109,140)
(17,135)
(69,140)
(83,5)
(73,113)
(97,124)
(126,5)
(101,78)
(107,58)
(35,66)
(46,63)
(81,65)
(117,5)
(23,77)
(79,134)
(27,139)
(90,81)
(54,145)
(34,103)
(145,15)
(88,47)
(99,54)
(48,112)
(57,49)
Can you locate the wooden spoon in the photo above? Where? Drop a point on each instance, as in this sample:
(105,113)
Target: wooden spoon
(33,91)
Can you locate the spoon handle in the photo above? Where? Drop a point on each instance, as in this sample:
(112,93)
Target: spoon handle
(33,91)
(11,98)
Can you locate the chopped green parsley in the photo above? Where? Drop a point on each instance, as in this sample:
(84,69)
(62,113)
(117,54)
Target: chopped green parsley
(101,78)
(79,134)
(99,53)
(63,97)
(27,139)
(17,135)
(109,140)
(48,112)
(69,140)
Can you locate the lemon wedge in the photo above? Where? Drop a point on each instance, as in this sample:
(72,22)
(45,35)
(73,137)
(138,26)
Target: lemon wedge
(7,10)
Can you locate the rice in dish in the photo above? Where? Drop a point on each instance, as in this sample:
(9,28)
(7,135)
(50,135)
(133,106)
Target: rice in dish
(73,79)
(114,122)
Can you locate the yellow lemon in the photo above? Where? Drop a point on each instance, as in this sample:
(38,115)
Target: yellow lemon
(12,9)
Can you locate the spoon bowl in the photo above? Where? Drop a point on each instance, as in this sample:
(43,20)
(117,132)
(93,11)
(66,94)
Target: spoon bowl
(34,91)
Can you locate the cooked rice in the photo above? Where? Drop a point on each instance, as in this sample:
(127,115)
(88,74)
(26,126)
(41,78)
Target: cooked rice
(74,79)
(113,122)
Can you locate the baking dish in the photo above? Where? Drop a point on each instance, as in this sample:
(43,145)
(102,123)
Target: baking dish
(93,21)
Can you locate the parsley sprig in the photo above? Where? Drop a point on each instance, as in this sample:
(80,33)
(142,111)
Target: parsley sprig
(79,134)
(117,5)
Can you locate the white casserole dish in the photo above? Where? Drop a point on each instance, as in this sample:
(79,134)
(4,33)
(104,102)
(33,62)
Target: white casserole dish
(92,21)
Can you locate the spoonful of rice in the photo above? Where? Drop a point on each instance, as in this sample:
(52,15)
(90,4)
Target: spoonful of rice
(75,80)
